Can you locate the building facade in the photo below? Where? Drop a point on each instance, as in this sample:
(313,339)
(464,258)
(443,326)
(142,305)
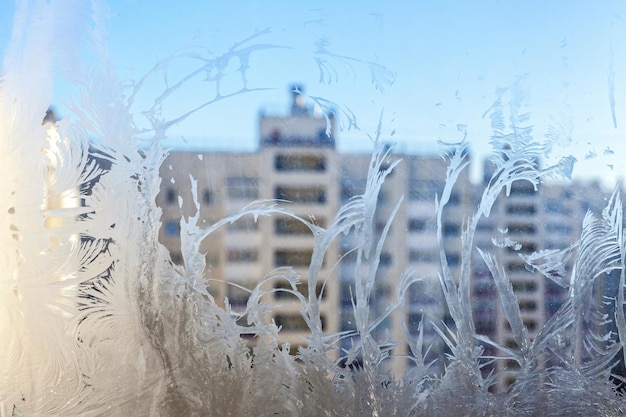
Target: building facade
(297,163)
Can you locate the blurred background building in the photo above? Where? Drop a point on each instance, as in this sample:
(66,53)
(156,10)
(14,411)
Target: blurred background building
(297,161)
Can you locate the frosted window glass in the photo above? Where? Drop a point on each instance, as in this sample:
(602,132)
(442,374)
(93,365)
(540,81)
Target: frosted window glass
(266,208)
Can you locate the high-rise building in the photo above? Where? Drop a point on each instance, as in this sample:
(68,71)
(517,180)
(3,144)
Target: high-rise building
(529,219)
(297,161)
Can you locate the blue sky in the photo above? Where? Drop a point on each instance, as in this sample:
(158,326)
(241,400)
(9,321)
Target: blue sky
(446,60)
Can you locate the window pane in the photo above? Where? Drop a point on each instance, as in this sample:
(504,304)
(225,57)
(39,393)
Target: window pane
(461,161)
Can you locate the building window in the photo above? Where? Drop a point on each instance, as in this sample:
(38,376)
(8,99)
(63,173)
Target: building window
(207,197)
(242,255)
(295,322)
(352,187)
(413,322)
(303,288)
(301,194)
(521,228)
(517,267)
(522,188)
(453,259)
(510,343)
(455,199)
(290,226)
(172,228)
(237,297)
(291,322)
(531,325)
(293,257)
(242,188)
(314,163)
(421,256)
(527,305)
(424,190)
(524,286)
(379,227)
(521,209)
(485,326)
(511,364)
(171,197)
(527,247)
(177,258)
(385,259)
(417,225)
(451,229)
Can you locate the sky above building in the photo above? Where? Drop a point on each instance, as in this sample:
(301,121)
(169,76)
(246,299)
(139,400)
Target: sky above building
(426,70)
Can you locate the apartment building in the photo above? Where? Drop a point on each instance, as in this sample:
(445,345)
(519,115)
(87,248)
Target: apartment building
(297,161)
(546,218)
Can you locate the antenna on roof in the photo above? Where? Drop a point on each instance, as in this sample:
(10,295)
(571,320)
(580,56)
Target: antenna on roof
(298,104)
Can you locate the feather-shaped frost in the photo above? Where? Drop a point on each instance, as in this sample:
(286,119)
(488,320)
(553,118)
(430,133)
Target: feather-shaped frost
(509,301)
(96,319)
(551,263)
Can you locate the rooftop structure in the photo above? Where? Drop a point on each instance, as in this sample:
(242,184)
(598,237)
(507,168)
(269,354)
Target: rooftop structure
(301,127)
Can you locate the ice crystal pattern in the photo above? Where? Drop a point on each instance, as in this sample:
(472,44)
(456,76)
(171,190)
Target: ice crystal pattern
(96,319)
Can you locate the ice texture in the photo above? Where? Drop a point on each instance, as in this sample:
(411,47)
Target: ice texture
(97,320)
